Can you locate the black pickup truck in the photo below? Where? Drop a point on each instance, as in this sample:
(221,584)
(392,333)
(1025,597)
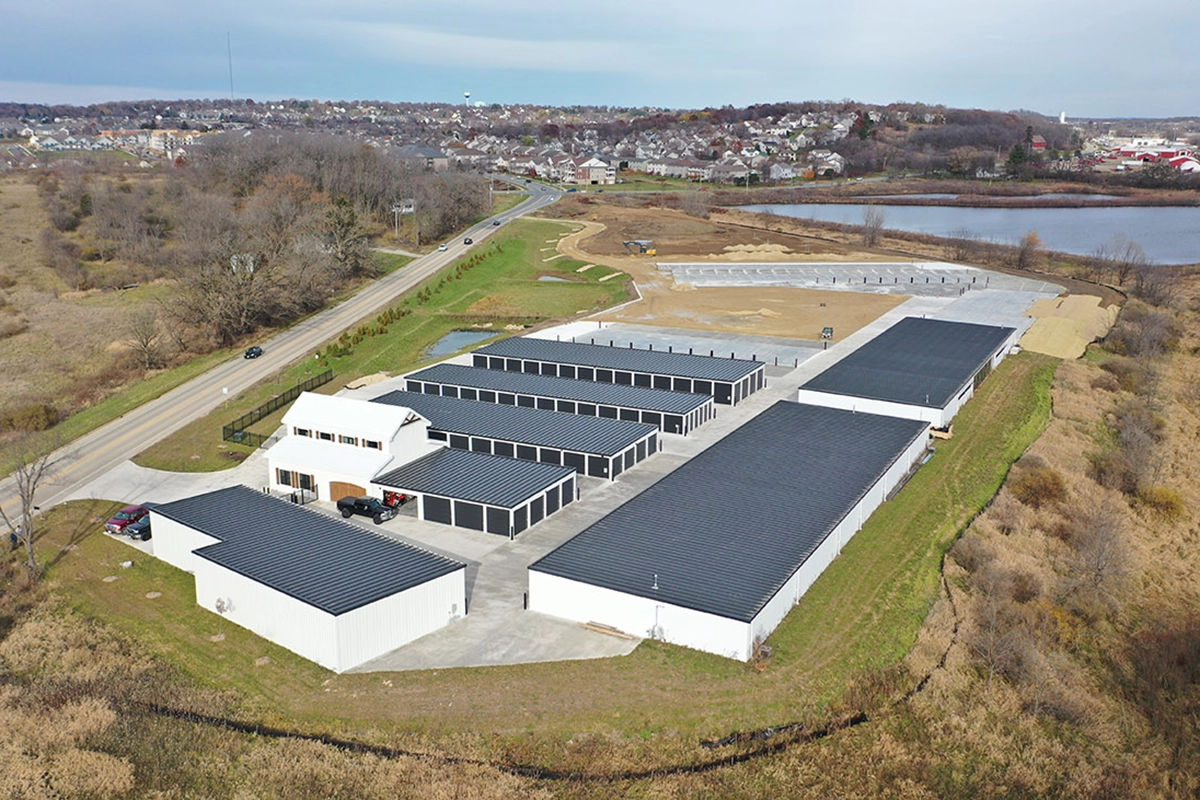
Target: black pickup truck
(371,507)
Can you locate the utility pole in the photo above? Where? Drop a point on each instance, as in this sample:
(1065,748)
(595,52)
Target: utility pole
(229,50)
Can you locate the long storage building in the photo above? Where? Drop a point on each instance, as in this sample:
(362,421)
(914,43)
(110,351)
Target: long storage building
(482,492)
(595,446)
(333,592)
(919,369)
(728,380)
(672,412)
(714,555)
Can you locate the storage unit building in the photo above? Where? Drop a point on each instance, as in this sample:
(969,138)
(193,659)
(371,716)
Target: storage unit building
(672,412)
(602,448)
(482,492)
(918,368)
(330,591)
(714,555)
(728,380)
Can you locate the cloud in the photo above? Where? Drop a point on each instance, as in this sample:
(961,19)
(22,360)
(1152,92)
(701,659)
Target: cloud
(87,94)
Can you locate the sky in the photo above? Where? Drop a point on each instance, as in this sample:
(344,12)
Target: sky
(1089,59)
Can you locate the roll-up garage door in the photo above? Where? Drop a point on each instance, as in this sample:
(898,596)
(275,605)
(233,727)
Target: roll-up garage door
(468,515)
(436,509)
(497,521)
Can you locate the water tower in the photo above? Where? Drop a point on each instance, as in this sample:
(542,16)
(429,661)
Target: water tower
(466,98)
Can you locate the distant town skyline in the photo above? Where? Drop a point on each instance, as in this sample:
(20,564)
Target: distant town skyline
(1079,58)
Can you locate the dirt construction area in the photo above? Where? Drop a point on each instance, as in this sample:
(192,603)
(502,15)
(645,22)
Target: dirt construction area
(615,236)
(763,311)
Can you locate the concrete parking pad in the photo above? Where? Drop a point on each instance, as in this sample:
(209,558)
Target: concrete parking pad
(932,278)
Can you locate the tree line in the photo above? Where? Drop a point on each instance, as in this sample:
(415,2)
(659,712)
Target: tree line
(252,230)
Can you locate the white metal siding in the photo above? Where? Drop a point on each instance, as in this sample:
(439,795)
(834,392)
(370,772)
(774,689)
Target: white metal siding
(934,416)
(802,579)
(321,475)
(335,642)
(273,615)
(174,542)
(639,616)
(382,626)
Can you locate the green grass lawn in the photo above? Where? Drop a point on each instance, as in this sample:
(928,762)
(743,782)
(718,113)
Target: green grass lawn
(862,614)
(495,287)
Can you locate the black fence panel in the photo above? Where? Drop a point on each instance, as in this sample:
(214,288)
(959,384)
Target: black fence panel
(236,430)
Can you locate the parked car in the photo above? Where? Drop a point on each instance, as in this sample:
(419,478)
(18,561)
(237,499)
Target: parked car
(252,352)
(139,530)
(371,507)
(124,518)
(468,240)
(441,248)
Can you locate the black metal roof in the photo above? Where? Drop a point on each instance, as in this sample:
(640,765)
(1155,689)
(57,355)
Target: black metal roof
(917,361)
(656,362)
(319,560)
(596,435)
(564,388)
(727,529)
(475,477)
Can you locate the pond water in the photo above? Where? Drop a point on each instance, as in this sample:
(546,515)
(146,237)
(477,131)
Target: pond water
(1048,196)
(454,341)
(1169,235)
(552,279)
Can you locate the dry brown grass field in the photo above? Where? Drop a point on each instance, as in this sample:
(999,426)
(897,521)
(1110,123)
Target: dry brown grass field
(57,345)
(1062,659)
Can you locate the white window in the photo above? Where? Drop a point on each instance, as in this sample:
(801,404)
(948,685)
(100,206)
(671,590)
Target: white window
(348,440)
(372,445)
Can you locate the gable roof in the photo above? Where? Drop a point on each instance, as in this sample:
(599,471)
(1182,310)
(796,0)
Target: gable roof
(635,360)
(348,415)
(475,477)
(750,509)
(563,388)
(322,561)
(531,426)
(917,361)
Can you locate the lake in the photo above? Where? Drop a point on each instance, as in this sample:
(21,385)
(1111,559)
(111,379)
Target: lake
(1169,235)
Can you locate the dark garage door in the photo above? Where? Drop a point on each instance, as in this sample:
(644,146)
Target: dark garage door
(468,515)
(497,521)
(437,509)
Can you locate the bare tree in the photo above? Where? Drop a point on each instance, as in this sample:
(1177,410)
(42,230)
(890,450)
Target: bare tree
(31,473)
(1100,563)
(963,245)
(1121,258)
(873,218)
(1156,285)
(998,640)
(145,336)
(1028,250)
(346,239)
(695,204)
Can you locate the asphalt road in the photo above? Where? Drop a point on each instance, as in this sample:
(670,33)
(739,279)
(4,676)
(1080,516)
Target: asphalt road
(99,451)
